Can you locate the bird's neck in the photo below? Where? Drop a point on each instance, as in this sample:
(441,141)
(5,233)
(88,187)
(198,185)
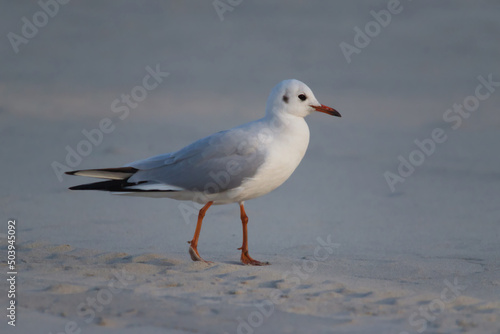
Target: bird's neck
(282,121)
(287,125)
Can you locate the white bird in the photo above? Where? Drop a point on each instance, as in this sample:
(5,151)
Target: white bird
(230,166)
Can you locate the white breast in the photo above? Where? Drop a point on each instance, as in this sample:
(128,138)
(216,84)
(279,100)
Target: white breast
(286,147)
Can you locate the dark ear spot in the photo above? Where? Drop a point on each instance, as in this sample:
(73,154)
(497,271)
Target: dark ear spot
(285,98)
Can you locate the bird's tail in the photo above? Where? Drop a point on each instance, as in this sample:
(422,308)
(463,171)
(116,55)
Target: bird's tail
(117,178)
(120,173)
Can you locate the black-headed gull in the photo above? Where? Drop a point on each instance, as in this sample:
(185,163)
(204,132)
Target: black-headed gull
(230,166)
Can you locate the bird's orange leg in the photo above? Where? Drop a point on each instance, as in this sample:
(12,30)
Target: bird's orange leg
(245,257)
(193,249)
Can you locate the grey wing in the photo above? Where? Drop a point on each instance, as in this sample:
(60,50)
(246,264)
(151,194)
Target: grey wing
(213,164)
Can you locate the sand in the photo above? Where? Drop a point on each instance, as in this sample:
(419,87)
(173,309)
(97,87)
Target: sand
(100,292)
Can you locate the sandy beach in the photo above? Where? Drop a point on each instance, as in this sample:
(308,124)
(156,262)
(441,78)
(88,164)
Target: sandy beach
(389,225)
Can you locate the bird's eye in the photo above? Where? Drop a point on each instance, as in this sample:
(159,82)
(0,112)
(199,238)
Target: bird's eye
(302,97)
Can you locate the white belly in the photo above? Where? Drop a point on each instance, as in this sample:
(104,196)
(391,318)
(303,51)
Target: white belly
(286,150)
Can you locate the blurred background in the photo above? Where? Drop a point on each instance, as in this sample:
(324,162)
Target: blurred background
(222,62)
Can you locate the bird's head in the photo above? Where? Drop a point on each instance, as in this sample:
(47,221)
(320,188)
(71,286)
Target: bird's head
(295,98)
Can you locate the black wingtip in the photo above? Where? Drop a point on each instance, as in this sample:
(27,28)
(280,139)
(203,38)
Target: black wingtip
(110,185)
(89,186)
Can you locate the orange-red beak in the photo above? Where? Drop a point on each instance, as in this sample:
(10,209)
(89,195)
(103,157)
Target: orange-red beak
(327,110)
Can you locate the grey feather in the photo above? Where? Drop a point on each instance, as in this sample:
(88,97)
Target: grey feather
(213,164)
